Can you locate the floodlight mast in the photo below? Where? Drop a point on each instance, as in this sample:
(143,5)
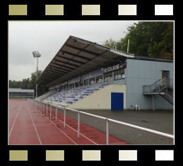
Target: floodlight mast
(36,54)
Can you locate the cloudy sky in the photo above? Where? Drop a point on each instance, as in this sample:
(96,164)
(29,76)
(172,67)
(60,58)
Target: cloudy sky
(47,37)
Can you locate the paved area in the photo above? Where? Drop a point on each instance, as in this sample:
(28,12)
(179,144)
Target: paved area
(160,120)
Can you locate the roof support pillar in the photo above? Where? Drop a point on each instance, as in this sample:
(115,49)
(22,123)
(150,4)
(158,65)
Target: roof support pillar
(112,77)
(153,103)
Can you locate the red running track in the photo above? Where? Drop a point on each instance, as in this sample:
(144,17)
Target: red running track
(28,126)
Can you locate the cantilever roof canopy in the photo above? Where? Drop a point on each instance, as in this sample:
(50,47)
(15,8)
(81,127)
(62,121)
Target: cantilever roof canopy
(76,57)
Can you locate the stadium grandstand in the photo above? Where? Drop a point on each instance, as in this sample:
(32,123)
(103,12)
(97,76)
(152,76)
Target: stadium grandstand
(18,93)
(86,75)
(87,82)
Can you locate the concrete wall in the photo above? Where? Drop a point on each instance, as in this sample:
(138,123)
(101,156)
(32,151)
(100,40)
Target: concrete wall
(144,72)
(100,99)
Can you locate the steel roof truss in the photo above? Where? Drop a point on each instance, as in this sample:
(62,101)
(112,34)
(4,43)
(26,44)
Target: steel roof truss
(76,55)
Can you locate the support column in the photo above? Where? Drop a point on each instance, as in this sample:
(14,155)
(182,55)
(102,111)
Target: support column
(112,77)
(153,103)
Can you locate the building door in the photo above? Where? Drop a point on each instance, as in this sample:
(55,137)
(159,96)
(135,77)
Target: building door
(165,77)
(117,101)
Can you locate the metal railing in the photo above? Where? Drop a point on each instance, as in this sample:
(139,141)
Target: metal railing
(158,86)
(45,107)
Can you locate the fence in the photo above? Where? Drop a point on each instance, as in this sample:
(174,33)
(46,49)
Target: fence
(46,109)
(158,86)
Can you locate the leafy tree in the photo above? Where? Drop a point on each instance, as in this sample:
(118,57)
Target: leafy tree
(110,43)
(113,44)
(150,39)
(25,83)
(15,84)
(34,76)
(29,83)
(41,88)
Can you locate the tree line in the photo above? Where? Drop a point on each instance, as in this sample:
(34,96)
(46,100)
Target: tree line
(149,39)
(29,83)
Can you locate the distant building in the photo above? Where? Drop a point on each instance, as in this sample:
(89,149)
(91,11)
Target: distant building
(18,93)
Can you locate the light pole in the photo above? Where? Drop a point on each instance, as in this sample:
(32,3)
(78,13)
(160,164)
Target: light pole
(36,54)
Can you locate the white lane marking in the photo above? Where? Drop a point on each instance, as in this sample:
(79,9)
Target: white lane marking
(66,134)
(80,133)
(77,131)
(62,131)
(35,127)
(73,130)
(14,123)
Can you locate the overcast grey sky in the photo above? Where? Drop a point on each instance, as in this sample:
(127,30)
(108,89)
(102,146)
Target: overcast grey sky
(47,37)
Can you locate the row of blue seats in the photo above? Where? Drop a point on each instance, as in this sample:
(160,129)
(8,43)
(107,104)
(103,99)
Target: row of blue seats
(71,96)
